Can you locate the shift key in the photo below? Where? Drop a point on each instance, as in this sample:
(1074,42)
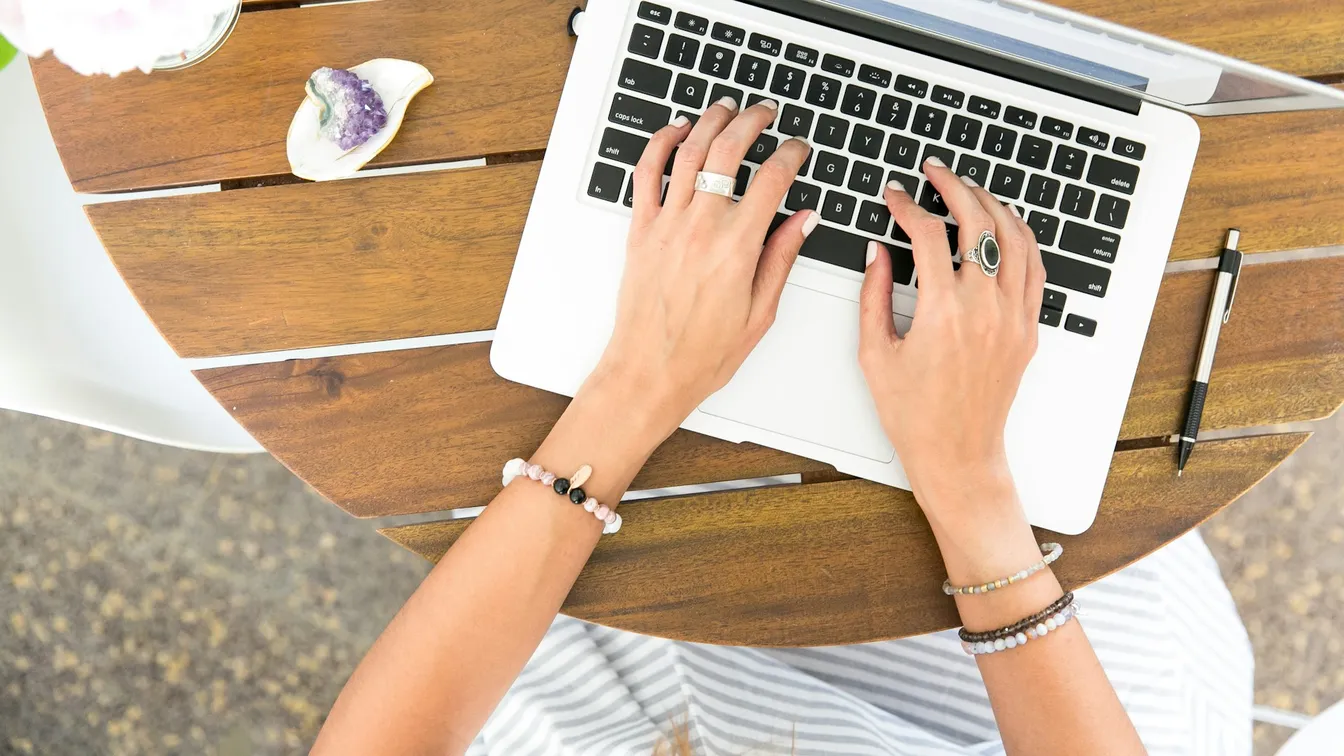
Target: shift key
(1089,242)
(638,114)
(622,146)
(1075,274)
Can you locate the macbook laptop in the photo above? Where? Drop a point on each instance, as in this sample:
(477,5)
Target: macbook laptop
(1085,126)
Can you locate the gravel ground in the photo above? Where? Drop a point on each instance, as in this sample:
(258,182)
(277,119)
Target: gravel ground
(161,601)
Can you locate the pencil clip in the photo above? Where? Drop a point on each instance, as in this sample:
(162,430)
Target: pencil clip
(1232,263)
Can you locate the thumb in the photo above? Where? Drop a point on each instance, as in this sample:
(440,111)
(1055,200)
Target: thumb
(777,258)
(875,322)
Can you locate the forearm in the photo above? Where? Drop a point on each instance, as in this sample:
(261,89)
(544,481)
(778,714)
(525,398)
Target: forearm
(1051,695)
(438,671)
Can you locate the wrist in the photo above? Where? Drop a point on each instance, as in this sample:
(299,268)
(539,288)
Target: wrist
(642,400)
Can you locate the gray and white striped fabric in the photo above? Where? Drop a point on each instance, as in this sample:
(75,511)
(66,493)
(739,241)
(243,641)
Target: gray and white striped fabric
(1166,631)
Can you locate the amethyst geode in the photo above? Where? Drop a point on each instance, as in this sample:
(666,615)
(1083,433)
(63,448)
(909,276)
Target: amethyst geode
(352,112)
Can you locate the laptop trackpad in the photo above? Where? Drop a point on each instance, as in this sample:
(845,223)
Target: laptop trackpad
(803,379)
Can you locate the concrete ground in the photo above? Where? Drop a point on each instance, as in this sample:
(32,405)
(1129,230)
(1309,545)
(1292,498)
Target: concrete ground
(158,601)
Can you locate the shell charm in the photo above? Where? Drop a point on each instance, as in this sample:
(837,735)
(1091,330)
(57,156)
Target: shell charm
(580,476)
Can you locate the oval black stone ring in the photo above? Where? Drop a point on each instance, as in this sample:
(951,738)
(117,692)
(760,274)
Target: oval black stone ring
(985,253)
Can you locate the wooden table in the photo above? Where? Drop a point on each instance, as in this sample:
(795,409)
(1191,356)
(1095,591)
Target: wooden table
(273,264)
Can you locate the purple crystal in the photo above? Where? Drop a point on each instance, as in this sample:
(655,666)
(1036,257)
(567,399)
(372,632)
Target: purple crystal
(352,111)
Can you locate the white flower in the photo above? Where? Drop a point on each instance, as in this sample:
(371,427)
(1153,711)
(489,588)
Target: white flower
(109,36)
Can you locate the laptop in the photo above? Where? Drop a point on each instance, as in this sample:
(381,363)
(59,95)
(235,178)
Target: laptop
(1084,125)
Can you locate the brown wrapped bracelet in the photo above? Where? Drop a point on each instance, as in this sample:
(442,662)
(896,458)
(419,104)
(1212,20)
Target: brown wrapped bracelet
(1020,625)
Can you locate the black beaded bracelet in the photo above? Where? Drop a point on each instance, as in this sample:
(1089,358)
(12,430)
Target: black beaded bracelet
(1020,625)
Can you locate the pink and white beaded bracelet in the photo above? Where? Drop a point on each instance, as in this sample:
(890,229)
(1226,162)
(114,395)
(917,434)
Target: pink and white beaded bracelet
(570,487)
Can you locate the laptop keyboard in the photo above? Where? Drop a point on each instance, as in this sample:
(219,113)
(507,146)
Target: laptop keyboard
(869,125)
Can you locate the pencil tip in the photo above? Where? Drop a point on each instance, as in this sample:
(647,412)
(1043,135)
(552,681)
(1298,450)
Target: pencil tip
(1180,472)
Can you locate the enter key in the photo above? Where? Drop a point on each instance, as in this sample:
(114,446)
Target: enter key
(1089,242)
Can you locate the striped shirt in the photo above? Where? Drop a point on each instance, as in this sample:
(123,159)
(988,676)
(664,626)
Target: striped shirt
(1165,629)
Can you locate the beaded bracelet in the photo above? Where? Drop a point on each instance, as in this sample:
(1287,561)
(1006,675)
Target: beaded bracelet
(1022,624)
(1020,638)
(570,487)
(1052,552)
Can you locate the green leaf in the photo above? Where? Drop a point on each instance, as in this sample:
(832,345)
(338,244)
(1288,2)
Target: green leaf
(7,52)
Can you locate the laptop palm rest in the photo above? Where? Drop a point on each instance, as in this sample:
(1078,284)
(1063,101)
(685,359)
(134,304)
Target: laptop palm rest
(803,379)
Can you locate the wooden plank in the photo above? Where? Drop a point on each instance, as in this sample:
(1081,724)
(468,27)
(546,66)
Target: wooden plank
(500,67)
(397,256)
(436,423)
(852,562)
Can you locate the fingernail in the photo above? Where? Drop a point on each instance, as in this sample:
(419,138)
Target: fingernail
(933,160)
(729,103)
(810,223)
(872,254)
(968,181)
(1013,209)
(896,186)
(769,104)
(680,121)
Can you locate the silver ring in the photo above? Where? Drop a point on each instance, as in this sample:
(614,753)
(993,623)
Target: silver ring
(715,183)
(985,253)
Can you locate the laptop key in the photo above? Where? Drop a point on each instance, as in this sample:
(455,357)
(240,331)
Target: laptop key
(1052,298)
(1113,174)
(606,182)
(859,102)
(982,107)
(796,121)
(1007,181)
(1112,211)
(629,198)
(717,61)
(838,208)
(832,245)
(824,92)
(720,91)
(949,97)
(754,98)
(659,14)
(1069,161)
(752,71)
(692,23)
(831,131)
(1093,138)
(1042,191)
(894,112)
(964,132)
(765,45)
(622,146)
(1077,201)
(681,51)
(644,78)
(932,201)
(788,81)
(874,218)
(999,142)
(1074,274)
(1130,149)
(690,91)
(799,54)
(831,168)
(974,168)
(866,141)
(929,122)
(743,176)
(901,151)
(628,110)
(761,150)
(1034,151)
(943,154)
(907,182)
(1080,325)
(802,196)
(837,65)
(1056,128)
(727,33)
(1051,317)
(1045,227)
(646,41)
(878,77)
(1019,117)
(916,88)
(866,178)
(1089,242)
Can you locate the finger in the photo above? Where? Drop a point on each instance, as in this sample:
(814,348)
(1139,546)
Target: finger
(772,182)
(1008,231)
(928,240)
(648,178)
(1035,278)
(730,146)
(972,218)
(877,329)
(691,154)
(781,250)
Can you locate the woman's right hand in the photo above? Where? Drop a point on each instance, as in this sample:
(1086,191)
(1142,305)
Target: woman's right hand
(943,390)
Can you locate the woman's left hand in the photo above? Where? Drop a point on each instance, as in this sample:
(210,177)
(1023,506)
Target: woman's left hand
(699,289)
